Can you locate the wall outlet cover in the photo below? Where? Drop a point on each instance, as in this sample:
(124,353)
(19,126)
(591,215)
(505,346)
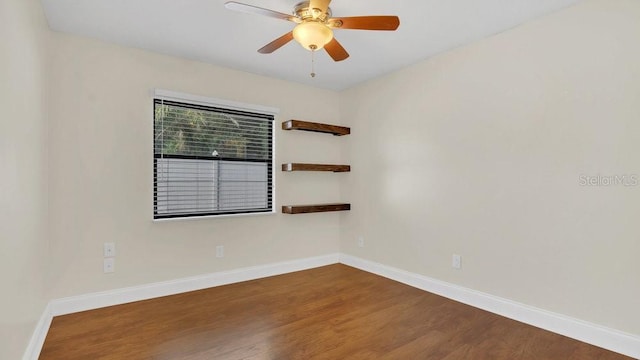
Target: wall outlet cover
(456,261)
(109,249)
(109,265)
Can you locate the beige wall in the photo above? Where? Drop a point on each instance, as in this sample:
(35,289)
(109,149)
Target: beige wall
(23,187)
(101,171)
(479,152)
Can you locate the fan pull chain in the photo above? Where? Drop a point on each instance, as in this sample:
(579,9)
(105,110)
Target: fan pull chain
(313,50)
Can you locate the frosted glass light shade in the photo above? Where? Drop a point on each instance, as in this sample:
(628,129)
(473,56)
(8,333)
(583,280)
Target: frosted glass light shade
(310,34)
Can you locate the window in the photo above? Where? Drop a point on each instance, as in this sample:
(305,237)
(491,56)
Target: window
(211,160)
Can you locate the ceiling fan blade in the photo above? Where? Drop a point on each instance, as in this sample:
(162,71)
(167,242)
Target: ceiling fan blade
(365,22)
(277,43)
(321,5)
(336,51)
(250,9)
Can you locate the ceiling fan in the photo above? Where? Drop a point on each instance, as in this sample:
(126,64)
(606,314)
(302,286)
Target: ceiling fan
(314,29)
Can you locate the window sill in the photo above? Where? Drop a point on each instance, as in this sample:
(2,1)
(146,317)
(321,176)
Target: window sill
(209,217)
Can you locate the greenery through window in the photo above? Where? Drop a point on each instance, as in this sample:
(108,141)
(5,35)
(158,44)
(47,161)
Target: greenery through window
(211,161)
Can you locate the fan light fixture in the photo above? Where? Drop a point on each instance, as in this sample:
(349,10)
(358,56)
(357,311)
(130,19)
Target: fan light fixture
(312,35)
(315,24)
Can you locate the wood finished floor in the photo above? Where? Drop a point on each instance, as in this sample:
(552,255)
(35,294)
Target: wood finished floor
(332,312)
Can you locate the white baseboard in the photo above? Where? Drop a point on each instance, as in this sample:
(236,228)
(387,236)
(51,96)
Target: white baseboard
(39,334)
(148,291)
(601,336)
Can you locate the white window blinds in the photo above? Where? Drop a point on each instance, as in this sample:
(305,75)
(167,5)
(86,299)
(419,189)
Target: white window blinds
(211,160)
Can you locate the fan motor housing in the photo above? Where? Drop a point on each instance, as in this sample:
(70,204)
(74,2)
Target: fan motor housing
(303,11)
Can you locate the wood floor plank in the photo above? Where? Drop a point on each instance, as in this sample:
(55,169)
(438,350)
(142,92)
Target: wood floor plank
(332,312)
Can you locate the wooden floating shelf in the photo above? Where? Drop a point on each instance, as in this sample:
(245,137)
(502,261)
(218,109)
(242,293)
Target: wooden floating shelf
(315,167)
(317,127)
(304,209)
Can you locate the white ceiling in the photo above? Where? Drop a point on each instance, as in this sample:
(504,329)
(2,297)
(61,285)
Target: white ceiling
(204,30)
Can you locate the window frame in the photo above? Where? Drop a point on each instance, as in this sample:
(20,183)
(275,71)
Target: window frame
(197,100)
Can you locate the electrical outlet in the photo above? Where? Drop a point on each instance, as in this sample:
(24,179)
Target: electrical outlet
(109,265)
(109,249)
(360,241)
(456,261)
(219,251)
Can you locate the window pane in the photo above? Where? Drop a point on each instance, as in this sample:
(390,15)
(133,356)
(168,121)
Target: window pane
(211,161)
(196,132)
(185,186)
(243,185)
